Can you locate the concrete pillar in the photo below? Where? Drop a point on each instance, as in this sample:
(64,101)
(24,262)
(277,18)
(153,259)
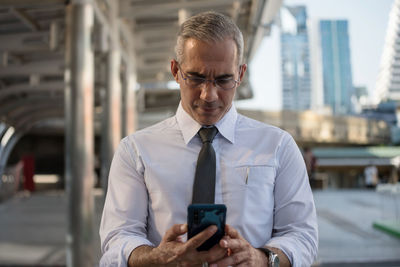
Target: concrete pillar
(124,100)
(131,110)
(112,108)
(6,134)
(3,128)
(6,151)
(79,109)
(183,15)
(394,176)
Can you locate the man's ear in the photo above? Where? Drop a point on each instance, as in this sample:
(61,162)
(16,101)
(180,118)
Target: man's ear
(174,69)
(242,71)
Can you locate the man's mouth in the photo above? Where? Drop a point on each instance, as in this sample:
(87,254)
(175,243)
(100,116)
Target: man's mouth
(208,109)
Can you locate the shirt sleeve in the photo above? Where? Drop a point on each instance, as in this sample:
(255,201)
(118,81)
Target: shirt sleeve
(123,223)
(295,229)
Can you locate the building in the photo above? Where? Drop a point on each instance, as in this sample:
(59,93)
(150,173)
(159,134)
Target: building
(336,66)
(388,82)
(359,98)
(295,59)
(388,111)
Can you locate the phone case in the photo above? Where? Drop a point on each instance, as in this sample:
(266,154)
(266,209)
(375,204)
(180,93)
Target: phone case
(200,216)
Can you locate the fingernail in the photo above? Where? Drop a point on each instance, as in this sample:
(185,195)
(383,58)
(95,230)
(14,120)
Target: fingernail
(213,228)
(183,227)
(224,243)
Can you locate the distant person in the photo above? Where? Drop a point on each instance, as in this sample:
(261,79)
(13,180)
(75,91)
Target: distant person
(310,162)
(29,172)
(371,176)
(260,173)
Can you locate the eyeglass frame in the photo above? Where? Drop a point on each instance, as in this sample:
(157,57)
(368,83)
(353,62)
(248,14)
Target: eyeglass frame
(205,80)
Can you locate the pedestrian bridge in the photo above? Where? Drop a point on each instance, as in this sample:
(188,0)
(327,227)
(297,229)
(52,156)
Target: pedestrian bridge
(68,74)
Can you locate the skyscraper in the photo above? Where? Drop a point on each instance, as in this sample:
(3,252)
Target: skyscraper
(388,83)
(296,84)
(336,67)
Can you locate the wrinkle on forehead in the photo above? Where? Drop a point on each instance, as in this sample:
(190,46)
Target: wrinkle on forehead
(210,59)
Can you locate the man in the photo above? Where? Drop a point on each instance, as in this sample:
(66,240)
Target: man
(260,173)
(371,176)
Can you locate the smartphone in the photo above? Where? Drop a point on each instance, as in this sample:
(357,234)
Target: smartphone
(200,216)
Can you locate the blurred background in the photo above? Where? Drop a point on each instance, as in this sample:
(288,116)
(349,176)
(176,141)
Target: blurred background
(77,76)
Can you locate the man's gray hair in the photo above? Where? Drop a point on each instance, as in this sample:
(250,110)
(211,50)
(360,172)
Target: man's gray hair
(209,27)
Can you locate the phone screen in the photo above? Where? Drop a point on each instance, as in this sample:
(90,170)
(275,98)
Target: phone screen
(200,216)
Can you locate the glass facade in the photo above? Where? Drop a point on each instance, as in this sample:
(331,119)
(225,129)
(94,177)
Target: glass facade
(296,80)
(388,83)
(337,74)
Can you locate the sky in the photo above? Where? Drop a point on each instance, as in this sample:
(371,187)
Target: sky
(368,20)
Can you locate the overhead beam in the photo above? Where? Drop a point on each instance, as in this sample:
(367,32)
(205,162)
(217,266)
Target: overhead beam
(145,77)
(139,44)
(18,115)
(163,55)
(101,17)
(49,67)
(129,9)
(27,122)
(29,3)
(235,10)
(24,42)
(27,88)
(152,31)
(154,67)
(9,106)
(261,18)
(25,18)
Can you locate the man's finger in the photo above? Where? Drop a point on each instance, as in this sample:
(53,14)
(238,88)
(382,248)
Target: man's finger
(232,260)
(233,244)
(175,231)
(201,237)
(214,254)
(232,232)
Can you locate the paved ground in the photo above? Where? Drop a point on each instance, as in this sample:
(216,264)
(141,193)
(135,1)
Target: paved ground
(345,221)
(33,227)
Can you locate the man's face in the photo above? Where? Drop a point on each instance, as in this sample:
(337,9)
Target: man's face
(207,103)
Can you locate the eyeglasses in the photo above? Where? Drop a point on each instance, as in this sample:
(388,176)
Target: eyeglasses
(222,83)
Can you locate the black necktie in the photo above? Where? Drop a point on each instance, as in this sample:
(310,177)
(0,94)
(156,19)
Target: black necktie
(204,179)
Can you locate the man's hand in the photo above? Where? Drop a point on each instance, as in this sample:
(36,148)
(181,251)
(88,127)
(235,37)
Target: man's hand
(241,253)
(172,251)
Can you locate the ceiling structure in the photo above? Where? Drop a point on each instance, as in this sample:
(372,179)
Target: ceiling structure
(155,24)
(32,42)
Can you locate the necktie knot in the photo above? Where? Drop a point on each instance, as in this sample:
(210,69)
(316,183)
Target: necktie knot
(207,134)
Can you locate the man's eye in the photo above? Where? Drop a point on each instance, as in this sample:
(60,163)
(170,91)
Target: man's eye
(224,81)
(197,79)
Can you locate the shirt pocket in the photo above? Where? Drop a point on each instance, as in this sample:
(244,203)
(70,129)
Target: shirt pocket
(249,194)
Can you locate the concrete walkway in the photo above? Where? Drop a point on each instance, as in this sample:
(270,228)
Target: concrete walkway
(346,234)
(33,228)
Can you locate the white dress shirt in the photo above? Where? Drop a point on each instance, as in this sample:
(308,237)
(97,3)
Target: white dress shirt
(260,177)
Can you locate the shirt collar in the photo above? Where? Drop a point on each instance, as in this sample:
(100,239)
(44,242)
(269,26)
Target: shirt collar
(189,127)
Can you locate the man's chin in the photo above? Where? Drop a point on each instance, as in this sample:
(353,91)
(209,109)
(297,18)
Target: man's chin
(207,119)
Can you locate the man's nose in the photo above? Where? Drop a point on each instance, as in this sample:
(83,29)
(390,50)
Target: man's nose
(209,91)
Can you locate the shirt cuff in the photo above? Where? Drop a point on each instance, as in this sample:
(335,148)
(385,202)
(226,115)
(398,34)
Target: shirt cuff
(130,245)
(117,256)
(283,244)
